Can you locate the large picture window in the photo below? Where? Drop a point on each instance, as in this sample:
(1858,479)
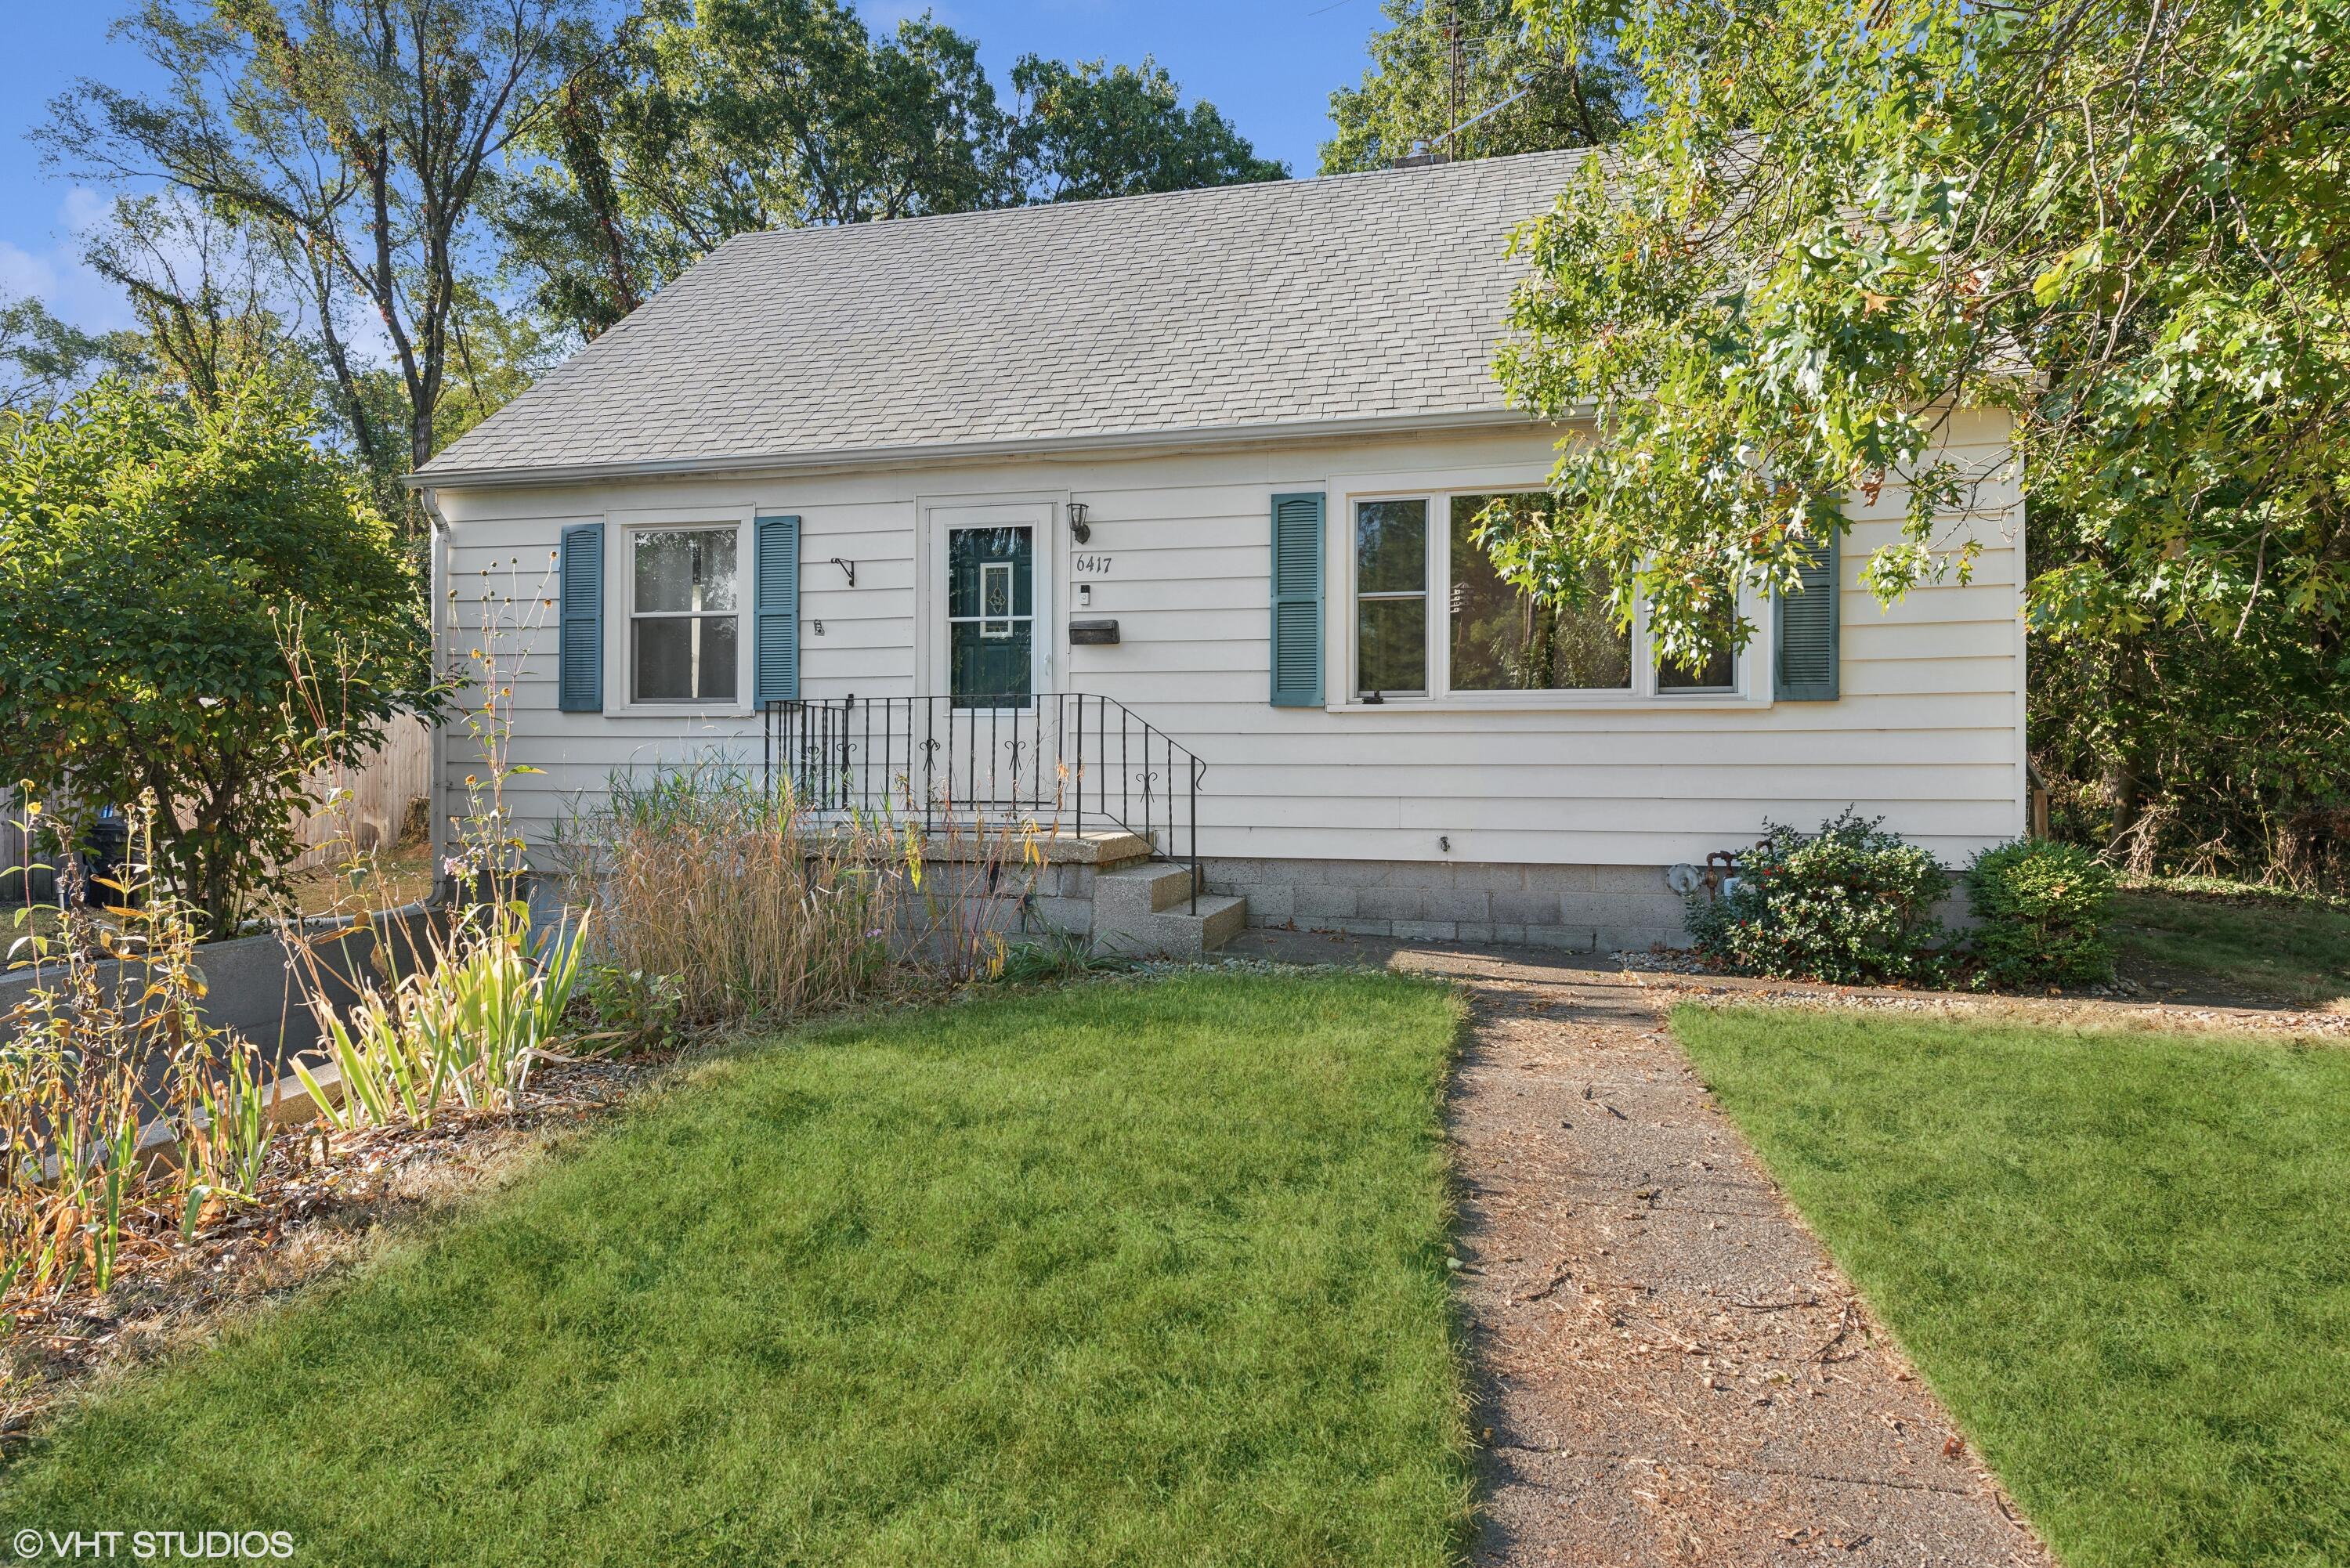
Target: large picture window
(1432,617)
(682,612)
(1504,639)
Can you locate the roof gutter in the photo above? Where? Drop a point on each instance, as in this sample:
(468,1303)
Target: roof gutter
(951,452)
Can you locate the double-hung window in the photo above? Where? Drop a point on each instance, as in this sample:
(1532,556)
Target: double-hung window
(682,615)
(1718,671)
(1391,598)
(1432,617)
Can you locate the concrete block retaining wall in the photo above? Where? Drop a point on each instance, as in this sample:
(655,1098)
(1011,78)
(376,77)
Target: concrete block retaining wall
(250,982)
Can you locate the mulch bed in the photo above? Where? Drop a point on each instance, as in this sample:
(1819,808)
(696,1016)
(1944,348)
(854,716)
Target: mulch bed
(328,1200)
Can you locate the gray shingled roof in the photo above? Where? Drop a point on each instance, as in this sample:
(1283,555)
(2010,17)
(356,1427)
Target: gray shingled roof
(1362,299)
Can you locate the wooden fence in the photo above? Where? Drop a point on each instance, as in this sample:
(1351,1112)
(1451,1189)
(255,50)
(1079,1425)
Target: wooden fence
(382,790)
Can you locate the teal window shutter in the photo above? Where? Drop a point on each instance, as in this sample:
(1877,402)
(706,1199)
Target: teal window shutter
(1297,600)
(1804,646)
(776,603)
(580,620)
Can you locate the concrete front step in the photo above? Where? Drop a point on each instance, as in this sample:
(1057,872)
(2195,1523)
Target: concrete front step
(1176,932)
(1136,906)
(1132,893)
(1103,850)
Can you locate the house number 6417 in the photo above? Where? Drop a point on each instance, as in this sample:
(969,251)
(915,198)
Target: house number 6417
(1093,566)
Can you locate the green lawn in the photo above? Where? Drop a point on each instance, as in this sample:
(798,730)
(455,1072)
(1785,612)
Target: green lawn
(2120,1258)
(1146,1273)
(2292,946)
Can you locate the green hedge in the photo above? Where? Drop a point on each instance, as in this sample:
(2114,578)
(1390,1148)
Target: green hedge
(1851,904)
(2041,908)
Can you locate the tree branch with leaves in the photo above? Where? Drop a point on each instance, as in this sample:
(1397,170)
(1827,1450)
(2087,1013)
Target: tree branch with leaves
(2124,221)
(363,132)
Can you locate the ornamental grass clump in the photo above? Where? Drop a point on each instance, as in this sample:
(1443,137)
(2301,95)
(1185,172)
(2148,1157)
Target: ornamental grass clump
(2041,909)
(1851,904)
(747,904)
(748,908)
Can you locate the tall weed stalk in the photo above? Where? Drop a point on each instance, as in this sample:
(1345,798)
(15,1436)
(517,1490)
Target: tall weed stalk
(122,1109)
(454,1010)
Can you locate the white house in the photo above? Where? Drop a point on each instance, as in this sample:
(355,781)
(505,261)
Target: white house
(1191,470)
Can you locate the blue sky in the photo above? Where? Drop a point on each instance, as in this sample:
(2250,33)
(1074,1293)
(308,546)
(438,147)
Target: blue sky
(1270,64)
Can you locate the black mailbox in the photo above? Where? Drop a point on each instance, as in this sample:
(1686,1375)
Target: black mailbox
(1094,632)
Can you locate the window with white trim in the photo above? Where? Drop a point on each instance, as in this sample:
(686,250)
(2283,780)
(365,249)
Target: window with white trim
(684,636)
(1719,673)
(1391,598)
(1490,640)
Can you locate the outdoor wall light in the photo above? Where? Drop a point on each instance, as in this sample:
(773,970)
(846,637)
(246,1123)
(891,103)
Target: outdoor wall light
(1077,529)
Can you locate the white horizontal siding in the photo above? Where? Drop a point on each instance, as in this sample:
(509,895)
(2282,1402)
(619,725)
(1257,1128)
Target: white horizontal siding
(1927,733)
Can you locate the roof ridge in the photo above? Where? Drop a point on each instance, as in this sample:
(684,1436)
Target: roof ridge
(1236,190)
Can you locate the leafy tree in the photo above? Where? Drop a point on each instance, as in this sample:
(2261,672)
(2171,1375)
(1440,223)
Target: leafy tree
(714,118)
(496,353)
(201,286)
(2125,221)
(1094,129)
(2184,746)
(363,133)
(1440,63)
(223,299)
(160,557)
(51,358)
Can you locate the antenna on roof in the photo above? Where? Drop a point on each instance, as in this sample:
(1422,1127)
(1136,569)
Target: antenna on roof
(1456,61)
(1482,114)
(1424,151)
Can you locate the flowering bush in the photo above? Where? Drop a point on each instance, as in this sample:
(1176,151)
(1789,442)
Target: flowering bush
(1851,904)
(2042,907)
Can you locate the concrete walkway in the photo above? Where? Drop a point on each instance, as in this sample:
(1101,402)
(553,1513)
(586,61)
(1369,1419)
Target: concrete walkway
(1670,1369)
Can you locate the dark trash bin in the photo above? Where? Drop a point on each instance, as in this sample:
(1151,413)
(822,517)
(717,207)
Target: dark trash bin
(104,850)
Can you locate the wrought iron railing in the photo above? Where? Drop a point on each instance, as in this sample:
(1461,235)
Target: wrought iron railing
(1070,761)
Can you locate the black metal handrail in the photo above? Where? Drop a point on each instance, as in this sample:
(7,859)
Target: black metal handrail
(1049,756)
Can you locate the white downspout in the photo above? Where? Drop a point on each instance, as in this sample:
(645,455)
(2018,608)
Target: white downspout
(437,794)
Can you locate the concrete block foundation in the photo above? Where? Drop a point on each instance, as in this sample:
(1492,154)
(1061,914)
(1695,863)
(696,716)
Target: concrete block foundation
(1577,909)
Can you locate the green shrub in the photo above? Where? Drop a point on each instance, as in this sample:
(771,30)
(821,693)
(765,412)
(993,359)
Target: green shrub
(628,1009)
(2042,907)
(1851,904)
(174,574)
